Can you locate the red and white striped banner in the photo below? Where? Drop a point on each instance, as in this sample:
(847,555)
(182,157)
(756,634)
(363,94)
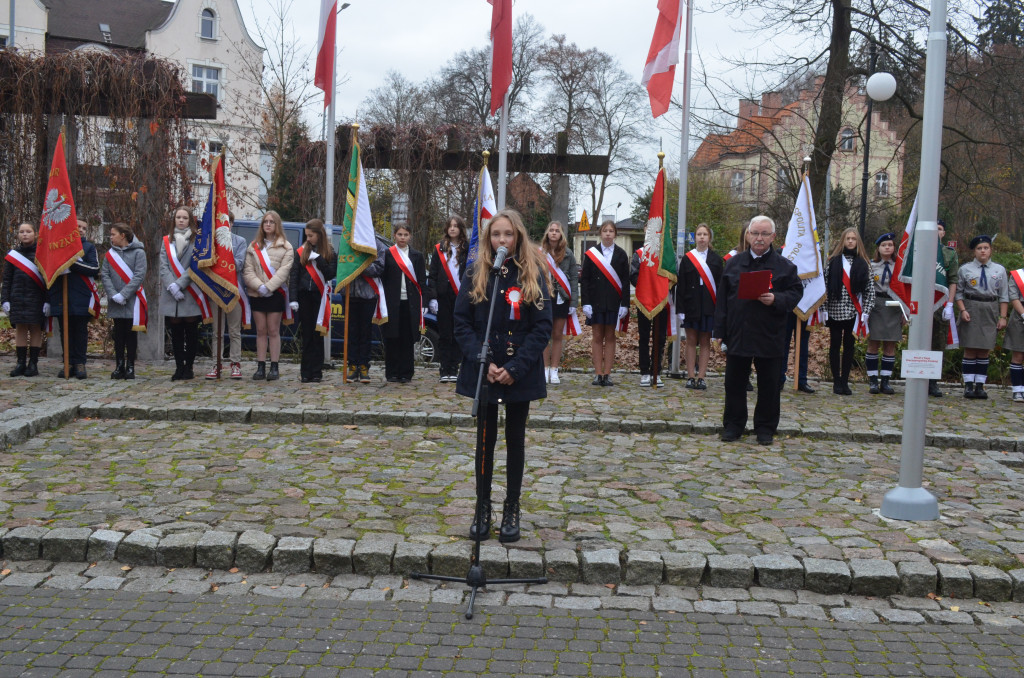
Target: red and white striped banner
(448,265)
(380,314)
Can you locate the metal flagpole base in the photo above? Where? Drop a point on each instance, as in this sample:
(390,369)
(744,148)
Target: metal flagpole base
(910,503)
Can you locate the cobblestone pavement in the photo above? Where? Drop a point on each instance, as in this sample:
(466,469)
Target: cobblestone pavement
(95,633)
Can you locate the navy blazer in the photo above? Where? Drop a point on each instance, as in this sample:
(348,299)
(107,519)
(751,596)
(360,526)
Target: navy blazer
(79,293)
(597,291)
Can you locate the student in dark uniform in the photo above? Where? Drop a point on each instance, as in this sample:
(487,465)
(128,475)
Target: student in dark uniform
(521,328)
(404,277)
(885,323)
(306,297)
(982,301)
(695,303)
(604,284)
(83,305)
(447,265)
(848,307)
(23,297)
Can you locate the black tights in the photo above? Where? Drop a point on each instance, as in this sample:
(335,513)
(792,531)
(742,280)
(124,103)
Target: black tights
(840,333)
(125,339)
(184,339)
(515,442)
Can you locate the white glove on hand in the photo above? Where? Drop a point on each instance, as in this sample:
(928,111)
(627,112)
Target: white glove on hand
(864,318)
(313,256)
(623,312)
(588,311)
(432,305)
(947,312)
(117,298)
(680,317)
(264,292)
(294,306)
(46,308)
(724,349)
(7,307)
(174,289)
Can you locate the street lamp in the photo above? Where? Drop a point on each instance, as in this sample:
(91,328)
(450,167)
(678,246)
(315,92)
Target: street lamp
(880,87)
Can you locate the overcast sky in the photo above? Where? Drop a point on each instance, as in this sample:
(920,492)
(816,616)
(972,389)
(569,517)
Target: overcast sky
(417,37)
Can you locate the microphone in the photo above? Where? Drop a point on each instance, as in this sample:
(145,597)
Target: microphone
(499,257)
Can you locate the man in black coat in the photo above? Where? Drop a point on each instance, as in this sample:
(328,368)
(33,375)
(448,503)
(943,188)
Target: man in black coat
(754,331)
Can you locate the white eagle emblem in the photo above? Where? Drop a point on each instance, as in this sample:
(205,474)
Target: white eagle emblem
(55,210)
(651,250)
(223,236)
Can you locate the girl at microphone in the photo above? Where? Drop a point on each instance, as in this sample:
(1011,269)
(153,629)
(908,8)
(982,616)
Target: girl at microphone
(520,330)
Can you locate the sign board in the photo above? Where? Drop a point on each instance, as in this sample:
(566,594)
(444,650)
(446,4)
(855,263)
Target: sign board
(584,224)
(691,238)
(921,365)
(951,243)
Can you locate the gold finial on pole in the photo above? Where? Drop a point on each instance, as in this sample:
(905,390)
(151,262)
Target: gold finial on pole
(487,158)
(661,159)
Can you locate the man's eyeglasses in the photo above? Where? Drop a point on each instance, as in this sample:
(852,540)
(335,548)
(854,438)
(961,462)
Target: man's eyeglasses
(758,236)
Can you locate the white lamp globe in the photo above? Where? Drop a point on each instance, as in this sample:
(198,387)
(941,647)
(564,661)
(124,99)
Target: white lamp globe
(881,86)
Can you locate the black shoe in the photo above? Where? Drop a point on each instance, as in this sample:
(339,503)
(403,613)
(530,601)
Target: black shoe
(316,378)
(979,392)
(305,380)
(261,371)
(933,389)
(60,373)
(364,374)
(129,370)
(32,369)
(20,369)
(480,530)
(873,388)
(118,372)
(730,435)
(846,389)
(691,383)
(701,385)
(750,386)
(598,380)
(885,387)
(510,517)
(353,373)
(608,380)
(969,390)
(273,374)
(80,372)
(805,388)
(764,438)
(392,380)
(837,388)
(187,373)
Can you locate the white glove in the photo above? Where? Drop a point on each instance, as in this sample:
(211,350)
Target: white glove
(313,256)
(623,312)
(947,312)
(588,311)
(864,318)
(724,349)
(117,298)
(264,292)
(680,317)
(7,307)
(423,311)
(432,305)
(572,311)
(46,308)
(174,289)
(294,306)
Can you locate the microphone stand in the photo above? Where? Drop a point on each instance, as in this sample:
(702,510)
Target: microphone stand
(476,578)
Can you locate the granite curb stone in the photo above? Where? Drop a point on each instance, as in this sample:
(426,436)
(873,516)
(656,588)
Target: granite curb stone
(826,576)
(731,571)
(178,549)
(103,545)
(991,583)
(601,566)
(293,555)
(873,577)
(917,578)
(24,543)
(955,581)
(215,550)
(66,544)
(252,552)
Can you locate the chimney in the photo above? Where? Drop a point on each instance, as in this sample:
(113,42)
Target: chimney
(748,109)
(771,102)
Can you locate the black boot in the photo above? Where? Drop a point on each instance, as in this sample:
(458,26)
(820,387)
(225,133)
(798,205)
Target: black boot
(33,362)
(80,372)
(979,391)
(969,390)
(933,388)
(480,530)
(129,370)
(873,387)
(118,372)
(261,371)
(273,374)
(22,366)
(886,388)
(179,368)
(510,522)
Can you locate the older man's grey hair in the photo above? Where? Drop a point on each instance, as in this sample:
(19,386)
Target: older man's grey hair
(761,219)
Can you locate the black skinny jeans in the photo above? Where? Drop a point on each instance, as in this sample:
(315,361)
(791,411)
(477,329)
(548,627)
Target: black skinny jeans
(515,442)
(125,340)
(312,365)
(840,336)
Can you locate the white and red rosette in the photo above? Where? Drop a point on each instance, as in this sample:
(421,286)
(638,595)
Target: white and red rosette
(514,297)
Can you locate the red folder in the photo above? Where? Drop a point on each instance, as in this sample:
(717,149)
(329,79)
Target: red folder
(754,284)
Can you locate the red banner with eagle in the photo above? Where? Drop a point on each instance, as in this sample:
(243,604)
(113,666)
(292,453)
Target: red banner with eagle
(60,243)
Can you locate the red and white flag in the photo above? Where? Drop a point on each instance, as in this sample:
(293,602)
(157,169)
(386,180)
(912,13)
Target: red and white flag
(660,70)
(60,243)
(324,74)
(501,51)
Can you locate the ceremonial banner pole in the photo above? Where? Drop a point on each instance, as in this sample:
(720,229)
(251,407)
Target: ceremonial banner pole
(344,350)
(503,154)
(219,347)
(684,175)
(796,352)
(64,329)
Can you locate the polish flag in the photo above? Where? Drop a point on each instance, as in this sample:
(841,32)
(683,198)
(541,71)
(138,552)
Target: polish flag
(325,48)
(660,71)
(501,52)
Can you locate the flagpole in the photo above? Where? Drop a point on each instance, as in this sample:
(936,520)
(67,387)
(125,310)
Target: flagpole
(796,352)
(344,350)
(220,340)
(329,192)
(502,153)
(64,329)
(684,173)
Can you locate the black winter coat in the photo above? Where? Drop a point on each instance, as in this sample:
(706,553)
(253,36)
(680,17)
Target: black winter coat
(78,292)
(392,279)
(22,292)
(597,291)
(440,288)
(746,326)
(526,337)
(692,297)
(299,279)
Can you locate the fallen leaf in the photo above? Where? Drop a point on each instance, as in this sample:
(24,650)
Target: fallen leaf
(387,588)
(955,608)
(214,587)
(934,597)
(982,602)
(351,427)
(273,587)
(5,572)
(326,586)
(643,623)
(233,570)
(126,568)
(609,586)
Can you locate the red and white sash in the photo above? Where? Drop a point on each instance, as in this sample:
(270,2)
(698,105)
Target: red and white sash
(572,326)
(380,314)
(673,319)
(860,327)
(451,268)
(705,274)
(27,266)
(405,264)
(140,311)
(1018,277)
(323,315)
(179,270)
(559,276)
(268,270)
(730,255)
(246,306)
(595,256)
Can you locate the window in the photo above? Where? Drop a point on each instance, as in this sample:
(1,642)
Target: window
(113,149)
(753,183)
(847,140)
(205,80)
(736,184)
(882,185)
(192,159)
(208,25)
(3,41)
(781,181)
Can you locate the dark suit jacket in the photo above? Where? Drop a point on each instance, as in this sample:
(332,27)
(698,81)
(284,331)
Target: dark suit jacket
(392,278)
(79,293)
(595,289)
(440,288)
(693,298)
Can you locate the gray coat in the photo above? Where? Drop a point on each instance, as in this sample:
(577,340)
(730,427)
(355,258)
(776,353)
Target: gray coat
(134,255)
(169,307)
(360,288)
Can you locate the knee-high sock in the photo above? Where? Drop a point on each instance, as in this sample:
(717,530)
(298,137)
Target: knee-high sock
(871,363)
(981,370)
(967,368)
(1017,377)
(888,363)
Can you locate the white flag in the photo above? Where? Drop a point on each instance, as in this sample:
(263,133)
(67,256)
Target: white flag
(804,250)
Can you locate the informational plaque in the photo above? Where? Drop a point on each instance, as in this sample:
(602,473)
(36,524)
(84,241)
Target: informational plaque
(921,365)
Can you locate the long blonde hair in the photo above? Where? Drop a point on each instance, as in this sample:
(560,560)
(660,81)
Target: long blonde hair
(558,253)
(841,245)
(525,255)
(278,229)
